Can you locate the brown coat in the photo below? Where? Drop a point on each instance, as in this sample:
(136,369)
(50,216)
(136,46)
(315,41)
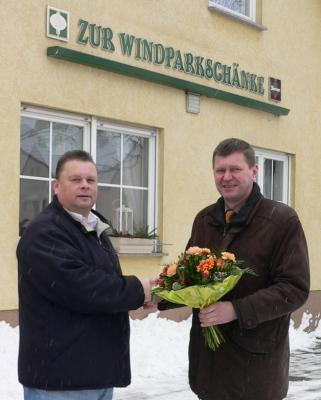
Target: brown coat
(253,362)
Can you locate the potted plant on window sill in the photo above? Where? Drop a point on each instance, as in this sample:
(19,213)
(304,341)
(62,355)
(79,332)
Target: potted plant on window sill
(141,242)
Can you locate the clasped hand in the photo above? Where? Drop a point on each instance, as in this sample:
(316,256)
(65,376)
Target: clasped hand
(150,302)
(216,314)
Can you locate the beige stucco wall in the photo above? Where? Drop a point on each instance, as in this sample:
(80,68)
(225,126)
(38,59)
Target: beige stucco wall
(186,140)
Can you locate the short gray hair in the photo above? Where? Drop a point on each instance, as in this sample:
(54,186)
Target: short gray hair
(233,145)
(79,155)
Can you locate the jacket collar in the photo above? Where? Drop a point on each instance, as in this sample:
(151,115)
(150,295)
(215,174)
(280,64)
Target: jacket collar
(56,204)
(243,217)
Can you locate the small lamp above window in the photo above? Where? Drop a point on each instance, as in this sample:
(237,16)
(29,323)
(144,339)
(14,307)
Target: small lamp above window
(192,103)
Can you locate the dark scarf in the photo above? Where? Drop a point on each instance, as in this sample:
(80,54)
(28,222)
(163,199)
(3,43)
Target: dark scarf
(242,217)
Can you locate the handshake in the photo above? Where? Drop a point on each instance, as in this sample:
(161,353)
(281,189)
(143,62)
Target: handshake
(151,301)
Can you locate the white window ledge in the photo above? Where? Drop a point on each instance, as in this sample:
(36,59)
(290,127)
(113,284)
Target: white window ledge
(238,18)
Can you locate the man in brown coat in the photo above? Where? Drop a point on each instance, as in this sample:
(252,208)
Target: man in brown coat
(254,317)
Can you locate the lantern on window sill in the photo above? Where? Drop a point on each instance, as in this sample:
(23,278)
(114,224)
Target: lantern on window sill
(124,220)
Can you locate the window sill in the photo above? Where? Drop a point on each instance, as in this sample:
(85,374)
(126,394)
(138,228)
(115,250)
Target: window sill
(140,247)
(245,21)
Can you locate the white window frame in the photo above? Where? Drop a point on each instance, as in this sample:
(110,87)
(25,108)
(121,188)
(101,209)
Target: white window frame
(52,117)
(263,154)
(226,10)
(91,124)
(151,134)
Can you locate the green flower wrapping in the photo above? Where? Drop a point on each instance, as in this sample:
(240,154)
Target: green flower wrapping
(199,296)
(200,278)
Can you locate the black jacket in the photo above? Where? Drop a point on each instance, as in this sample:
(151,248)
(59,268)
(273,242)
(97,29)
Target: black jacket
(73,306)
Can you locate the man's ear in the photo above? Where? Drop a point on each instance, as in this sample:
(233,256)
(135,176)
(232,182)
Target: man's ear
(55,186)
(255,172)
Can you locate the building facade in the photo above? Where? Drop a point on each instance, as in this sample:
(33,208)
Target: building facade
(149,88)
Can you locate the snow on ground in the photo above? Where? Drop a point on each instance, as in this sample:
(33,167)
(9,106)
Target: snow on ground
(305,367)
(159,361)
(9,388)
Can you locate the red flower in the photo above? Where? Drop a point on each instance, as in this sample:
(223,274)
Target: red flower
(205,274)
(205,265)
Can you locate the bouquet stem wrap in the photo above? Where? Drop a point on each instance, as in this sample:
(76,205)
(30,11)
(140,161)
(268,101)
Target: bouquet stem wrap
(197,296)
(213,337)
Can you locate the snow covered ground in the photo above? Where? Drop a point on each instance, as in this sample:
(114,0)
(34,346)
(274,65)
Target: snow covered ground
(159,362)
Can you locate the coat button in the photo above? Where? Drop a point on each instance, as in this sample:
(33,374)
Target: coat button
(249,323)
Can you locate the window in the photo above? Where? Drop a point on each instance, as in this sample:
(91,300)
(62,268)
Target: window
(126,173)
(44,138)
(125,158)
(244,9)
(273,176)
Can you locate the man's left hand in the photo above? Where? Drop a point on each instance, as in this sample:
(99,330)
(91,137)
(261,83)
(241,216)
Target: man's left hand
(216,314)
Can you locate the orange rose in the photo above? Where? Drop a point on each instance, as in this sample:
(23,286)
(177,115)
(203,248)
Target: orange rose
(228,256)
(197,251)
(220,263)
(206,265)
(171,269)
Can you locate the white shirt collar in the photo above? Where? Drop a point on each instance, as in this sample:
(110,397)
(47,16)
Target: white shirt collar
(91,223)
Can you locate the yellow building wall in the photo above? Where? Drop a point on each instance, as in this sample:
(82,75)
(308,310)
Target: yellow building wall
(185,183)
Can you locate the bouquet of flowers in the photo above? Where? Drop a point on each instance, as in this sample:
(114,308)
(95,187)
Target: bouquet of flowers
(198,279)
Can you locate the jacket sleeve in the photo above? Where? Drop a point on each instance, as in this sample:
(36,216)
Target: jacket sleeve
(52,266)
(289,283)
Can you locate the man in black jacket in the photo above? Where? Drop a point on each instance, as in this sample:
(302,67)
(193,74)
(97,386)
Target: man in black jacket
(73,298)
